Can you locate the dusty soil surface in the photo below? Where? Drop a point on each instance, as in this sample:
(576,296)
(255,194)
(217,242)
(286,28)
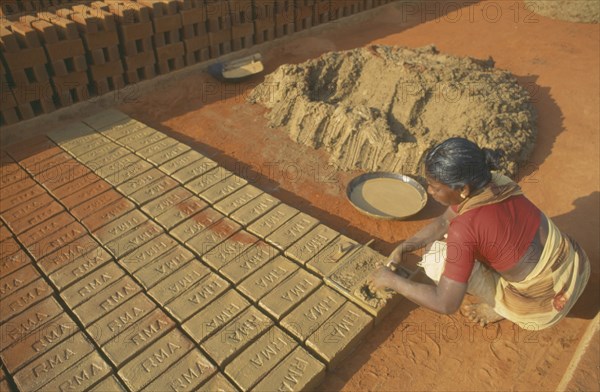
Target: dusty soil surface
(415,349)
(382,107)
(582,11)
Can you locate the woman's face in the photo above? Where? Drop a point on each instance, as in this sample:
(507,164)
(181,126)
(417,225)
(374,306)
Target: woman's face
(442,193)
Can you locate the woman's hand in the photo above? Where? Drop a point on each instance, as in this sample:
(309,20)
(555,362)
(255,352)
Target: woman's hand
(380,279)
(396,256)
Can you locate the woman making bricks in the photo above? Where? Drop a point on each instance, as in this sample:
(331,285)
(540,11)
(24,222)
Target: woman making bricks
(499,247)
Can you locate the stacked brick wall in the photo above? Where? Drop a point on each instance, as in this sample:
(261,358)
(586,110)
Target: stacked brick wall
(98,30)
(195,33)
(26,63)
(54,53)
(167,40)
(64,48)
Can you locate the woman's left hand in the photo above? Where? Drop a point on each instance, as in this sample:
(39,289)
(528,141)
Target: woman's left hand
(381,279)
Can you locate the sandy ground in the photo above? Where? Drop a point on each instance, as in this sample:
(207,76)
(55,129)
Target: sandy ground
(414,348)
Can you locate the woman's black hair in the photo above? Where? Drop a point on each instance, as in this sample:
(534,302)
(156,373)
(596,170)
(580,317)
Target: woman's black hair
(457,162)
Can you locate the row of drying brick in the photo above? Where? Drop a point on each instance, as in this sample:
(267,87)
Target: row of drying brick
(300,284)
(252,318)
(60,56)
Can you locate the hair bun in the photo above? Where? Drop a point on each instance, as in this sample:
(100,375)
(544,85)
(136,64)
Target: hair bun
(492,158)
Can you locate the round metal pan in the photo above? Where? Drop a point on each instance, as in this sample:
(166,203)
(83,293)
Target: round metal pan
(386,195)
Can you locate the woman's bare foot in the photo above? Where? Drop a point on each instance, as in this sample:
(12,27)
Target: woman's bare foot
(481,313)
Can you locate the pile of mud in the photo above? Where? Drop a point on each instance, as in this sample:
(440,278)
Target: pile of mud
(582,11)
(382,107)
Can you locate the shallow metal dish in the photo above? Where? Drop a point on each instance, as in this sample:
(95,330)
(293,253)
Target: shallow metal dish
(355,196)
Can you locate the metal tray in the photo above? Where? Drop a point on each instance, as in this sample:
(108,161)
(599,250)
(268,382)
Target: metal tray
(417,199)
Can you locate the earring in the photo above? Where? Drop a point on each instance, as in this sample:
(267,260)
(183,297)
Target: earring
(463,196)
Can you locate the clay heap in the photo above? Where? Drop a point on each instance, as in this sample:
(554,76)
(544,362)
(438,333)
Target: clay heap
(382,107)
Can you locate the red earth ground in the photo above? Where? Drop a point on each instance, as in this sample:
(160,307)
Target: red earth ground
(414,348)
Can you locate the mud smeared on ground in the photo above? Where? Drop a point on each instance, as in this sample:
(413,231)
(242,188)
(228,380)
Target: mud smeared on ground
(582,11)
(382,107)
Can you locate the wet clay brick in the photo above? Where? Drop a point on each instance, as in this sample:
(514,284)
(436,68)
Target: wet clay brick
(166,201)
(120,319)
(28,208)
(118,166)
(223,189)
(121,128)
(311,244)
(148,150)
(272,220)
(85,194)
(214,316)
(134,184)
(236,335)
(74,186)
(181,211)
(19,198)
(147,253)
(217,383)
(340,334)
(81,376)
(254,209)
(13,282)
(229,249)
(19,327)
(107,214)
(312,312)
(289,293)
(133,239)
(16,187)
(292,231)
(138,336)
(99,152)
(24,298)
(84,146)
(350,279)
(126,173)
(257,360)
(69,253)
(299,371)
(153,361)
(44,229)
(28,148)
(56,240)
(208,179)
(141,138)
(197,297)
(237,199)
(71,134)
(181,161)
(95,203)
(4,233)
(45,163)
(36,217)
(194,170)
(53,362)
(79,267)
(98,165)
(186,375)
(212,236)
(267,278)
(108,384)
(178,282)
(91,284)
(120,226)
(105,119)
(168,153)
(327,260)
(57,176)
(249,261)
(106,300)
(41,341)
(12,261)
(154,190)
(163,266)
(9,177)
(196,224)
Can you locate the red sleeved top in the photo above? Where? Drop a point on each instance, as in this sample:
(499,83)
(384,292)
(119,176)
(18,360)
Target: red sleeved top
(496,234)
